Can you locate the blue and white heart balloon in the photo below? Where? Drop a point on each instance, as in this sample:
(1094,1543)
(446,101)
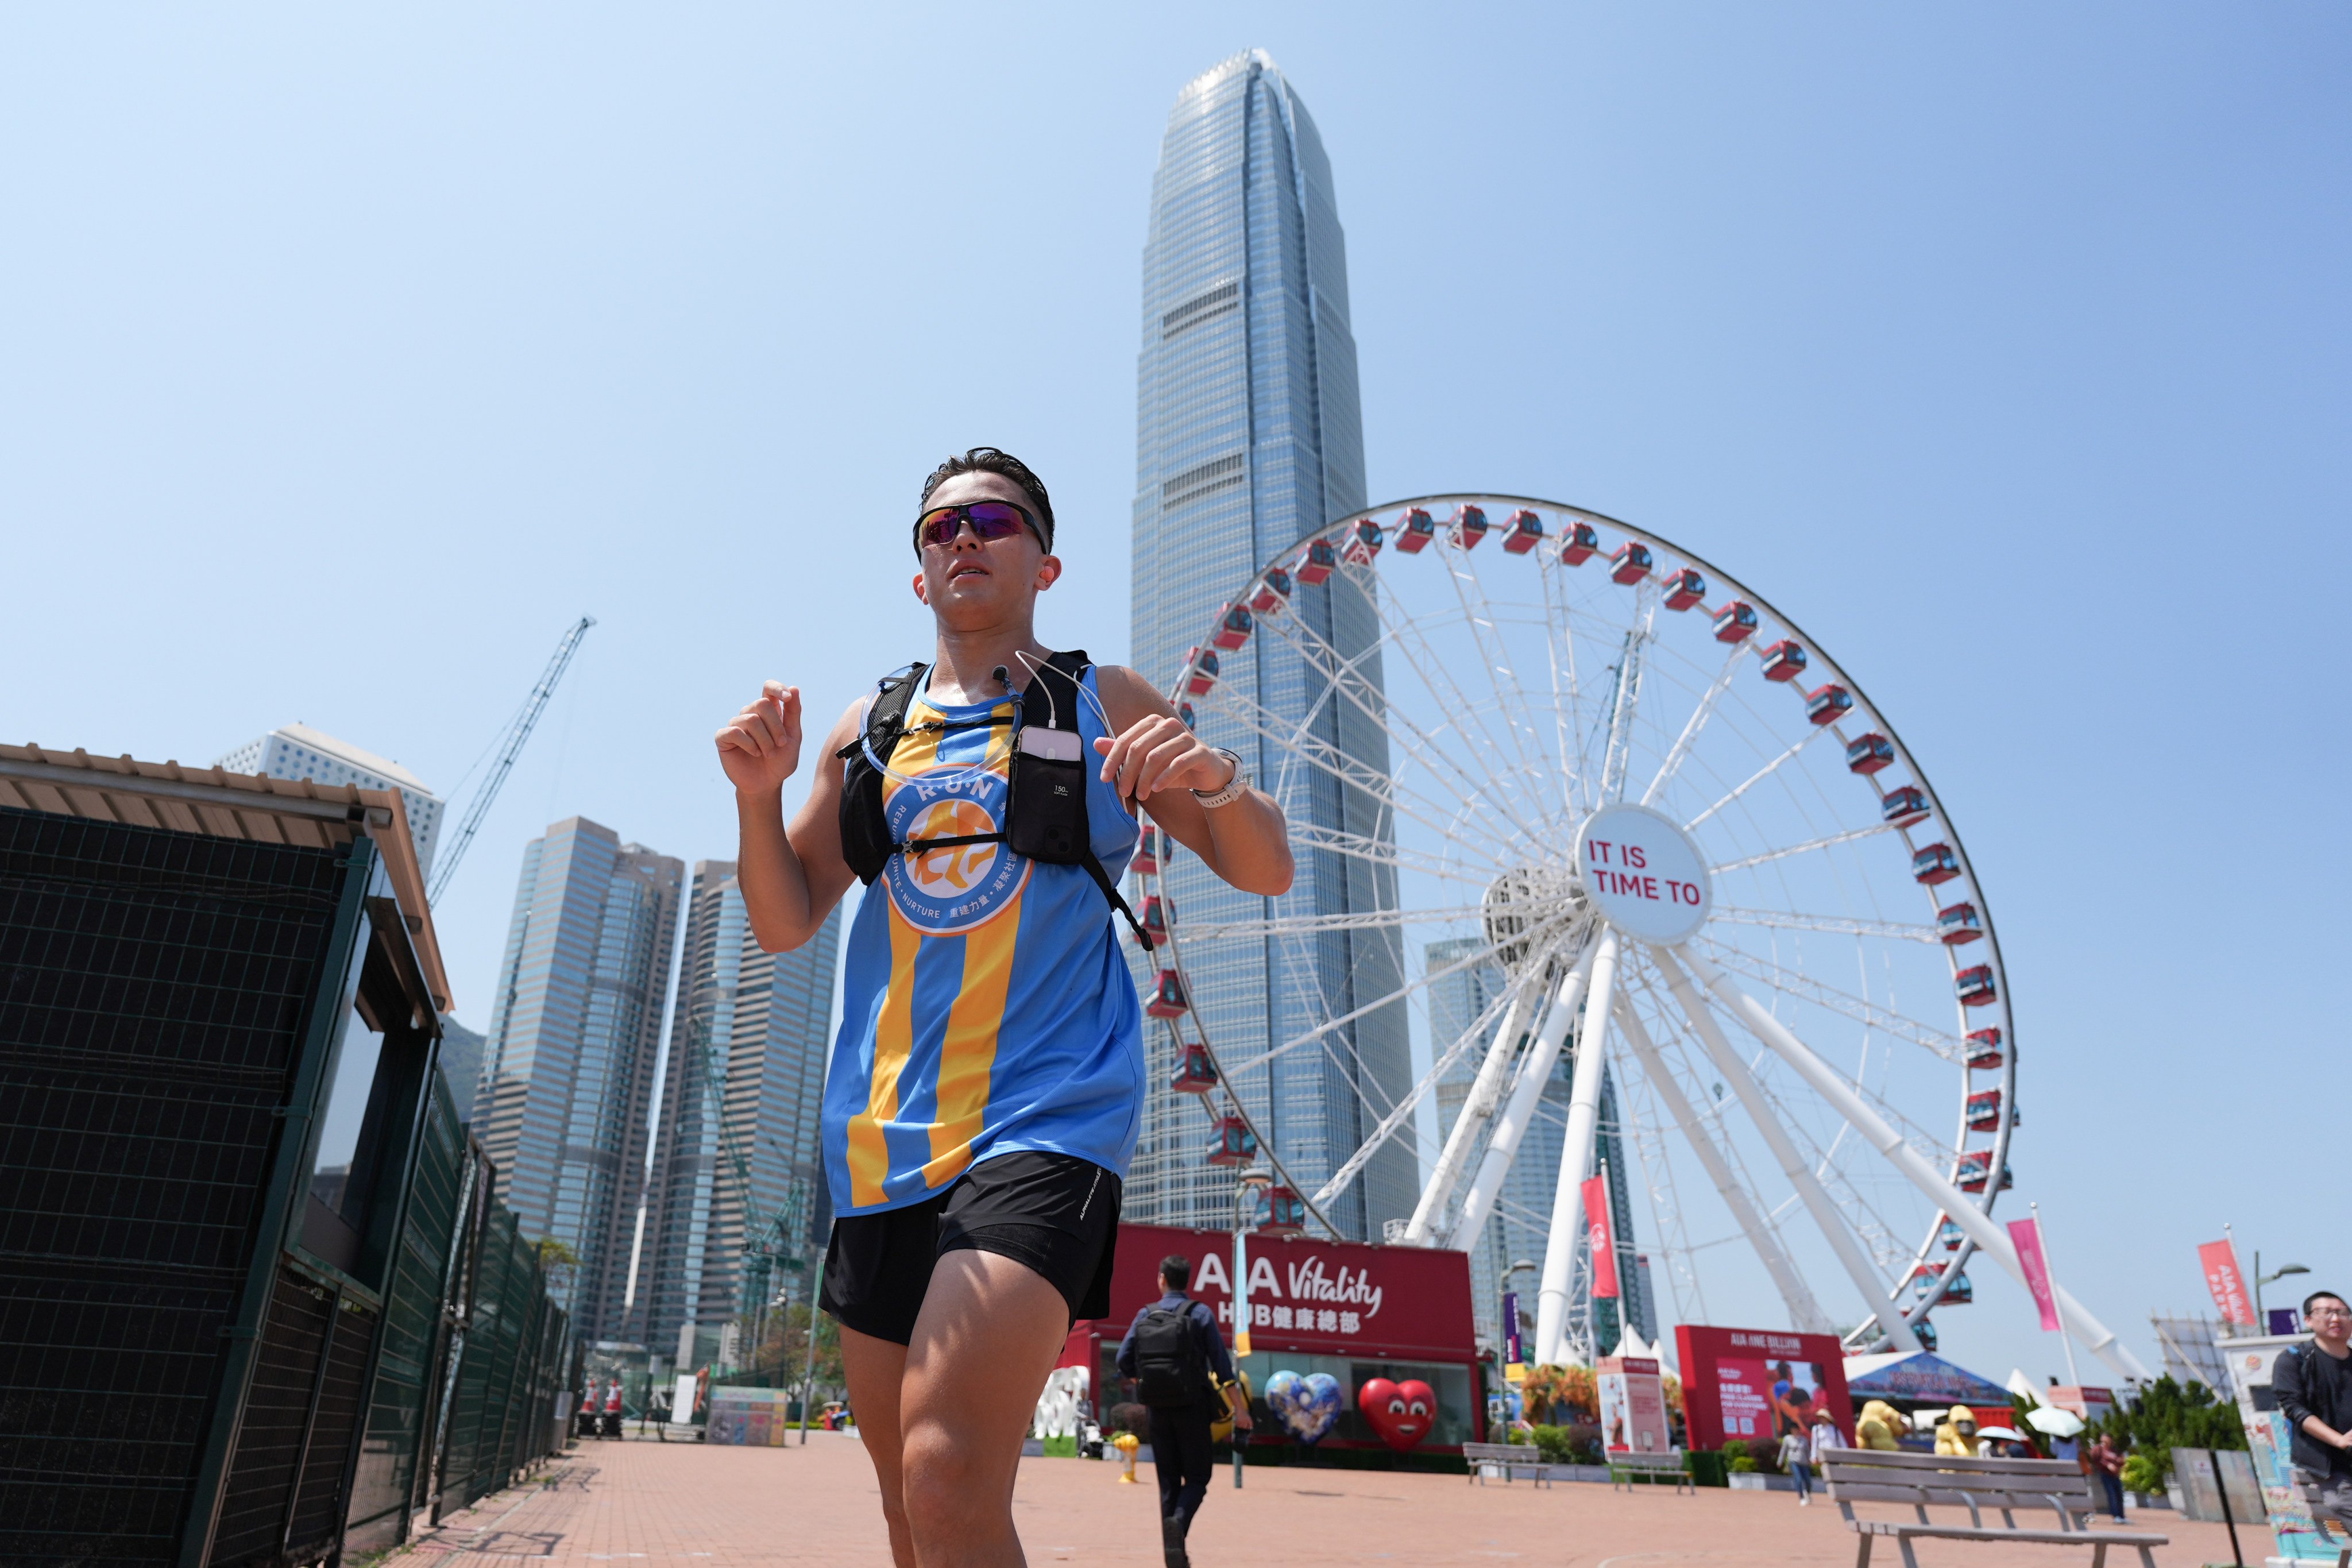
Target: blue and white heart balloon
(1308,1406)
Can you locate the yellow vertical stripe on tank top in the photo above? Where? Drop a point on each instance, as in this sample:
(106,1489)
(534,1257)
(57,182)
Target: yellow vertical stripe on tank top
(968,1056)
(894,1042)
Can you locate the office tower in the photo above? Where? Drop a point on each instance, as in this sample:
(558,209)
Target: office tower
(299,751)
(1519,1228)
(747,1047)
(568,1071)
(461,1063)
(1248,438)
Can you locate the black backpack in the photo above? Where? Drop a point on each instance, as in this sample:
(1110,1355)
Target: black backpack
(1045,794)
(1170,1370)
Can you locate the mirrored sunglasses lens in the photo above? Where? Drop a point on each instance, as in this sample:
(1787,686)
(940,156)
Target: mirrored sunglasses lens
(938,527)
(994,520)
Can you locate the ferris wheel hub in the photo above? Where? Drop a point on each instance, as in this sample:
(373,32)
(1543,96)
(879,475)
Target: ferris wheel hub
(1642,873)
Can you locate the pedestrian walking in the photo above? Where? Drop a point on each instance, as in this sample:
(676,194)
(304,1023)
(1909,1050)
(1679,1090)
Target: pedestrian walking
(1796,1445)
(2106,1461)
(1185,1379)
(985,1088)
(2314,1386)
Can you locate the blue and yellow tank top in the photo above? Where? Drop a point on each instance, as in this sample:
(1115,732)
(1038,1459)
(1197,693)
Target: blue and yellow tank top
(986,1008)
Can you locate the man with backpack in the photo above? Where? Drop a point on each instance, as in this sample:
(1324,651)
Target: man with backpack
(2313,1382)
(1185,1379)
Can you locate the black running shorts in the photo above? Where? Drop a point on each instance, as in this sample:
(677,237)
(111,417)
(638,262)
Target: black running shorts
(1055,1214)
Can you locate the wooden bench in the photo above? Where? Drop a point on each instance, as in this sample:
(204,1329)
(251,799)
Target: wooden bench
(1981,1486)
(1627,1466)
(1508,1457)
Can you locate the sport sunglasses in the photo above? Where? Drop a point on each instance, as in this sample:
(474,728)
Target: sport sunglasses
(990,520)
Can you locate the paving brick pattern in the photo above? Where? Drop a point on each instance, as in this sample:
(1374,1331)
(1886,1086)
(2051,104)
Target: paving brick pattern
(675,1505)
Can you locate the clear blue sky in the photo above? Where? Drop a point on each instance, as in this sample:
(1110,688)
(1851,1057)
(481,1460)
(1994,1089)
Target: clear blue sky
(345,358)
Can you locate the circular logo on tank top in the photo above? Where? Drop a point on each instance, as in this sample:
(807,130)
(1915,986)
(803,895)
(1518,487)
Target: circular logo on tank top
(956,886)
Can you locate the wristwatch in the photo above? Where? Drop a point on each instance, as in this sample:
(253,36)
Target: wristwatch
(1235,787)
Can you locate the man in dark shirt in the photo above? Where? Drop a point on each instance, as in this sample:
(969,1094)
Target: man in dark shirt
(1180,1429)
(2313,1383)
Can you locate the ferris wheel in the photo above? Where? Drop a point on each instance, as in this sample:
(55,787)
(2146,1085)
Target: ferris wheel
(1678,850)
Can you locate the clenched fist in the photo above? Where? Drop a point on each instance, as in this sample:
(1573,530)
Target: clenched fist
(761,746)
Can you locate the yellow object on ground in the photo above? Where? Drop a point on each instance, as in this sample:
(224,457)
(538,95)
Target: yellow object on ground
(1957,1434)
(1127,1443)
(1880,1427)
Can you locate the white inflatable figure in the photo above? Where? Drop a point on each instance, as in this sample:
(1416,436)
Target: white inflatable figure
(1057,1406)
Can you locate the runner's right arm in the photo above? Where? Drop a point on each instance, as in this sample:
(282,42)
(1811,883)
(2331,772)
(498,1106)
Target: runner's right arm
(790,877)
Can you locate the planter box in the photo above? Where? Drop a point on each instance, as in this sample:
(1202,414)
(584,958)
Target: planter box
(1758,1481)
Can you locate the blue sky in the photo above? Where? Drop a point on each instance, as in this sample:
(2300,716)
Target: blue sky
(344,359)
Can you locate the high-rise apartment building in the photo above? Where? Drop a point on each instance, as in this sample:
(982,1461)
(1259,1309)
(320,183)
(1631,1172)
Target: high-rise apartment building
(299,751)
(1519,1228)
(1249,437)
(575,1028)
(745,1083)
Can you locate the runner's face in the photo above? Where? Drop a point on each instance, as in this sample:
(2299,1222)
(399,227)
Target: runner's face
(972,583)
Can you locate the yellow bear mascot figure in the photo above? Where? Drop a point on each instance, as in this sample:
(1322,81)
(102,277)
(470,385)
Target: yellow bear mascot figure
(1957,1434)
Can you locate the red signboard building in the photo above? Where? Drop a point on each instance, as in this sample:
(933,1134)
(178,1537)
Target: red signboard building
(1744,1382)
(1354,1311)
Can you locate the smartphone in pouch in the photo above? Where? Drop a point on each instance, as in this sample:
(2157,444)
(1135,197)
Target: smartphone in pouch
(1047,786)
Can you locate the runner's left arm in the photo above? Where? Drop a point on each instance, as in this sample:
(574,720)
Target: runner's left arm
(1157,762)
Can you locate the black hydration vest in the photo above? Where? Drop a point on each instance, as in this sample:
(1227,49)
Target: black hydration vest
(1046,786)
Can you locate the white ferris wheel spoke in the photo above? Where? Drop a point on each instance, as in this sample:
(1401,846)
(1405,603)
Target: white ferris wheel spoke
(1486,1091)
(1898,930)
(1974,1222)
(1344,678)
(1759,777)
(1536,936)
(1625,704)
(1382,852)
(1567,706)
(1519,1108)
(1431,667)
(1867,1282)
(1695,722)
(1861,1009)
(1809,844)
(1481,621)
(1470,1036)
(1362,920)
(1804,1310)
(1576,1151)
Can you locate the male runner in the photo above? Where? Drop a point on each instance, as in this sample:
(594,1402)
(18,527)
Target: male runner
(986,1087)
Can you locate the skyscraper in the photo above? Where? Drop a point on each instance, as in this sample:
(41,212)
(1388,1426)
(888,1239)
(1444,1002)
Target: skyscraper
(749,1032)
(1249,437)
(568,1070)
(299,751)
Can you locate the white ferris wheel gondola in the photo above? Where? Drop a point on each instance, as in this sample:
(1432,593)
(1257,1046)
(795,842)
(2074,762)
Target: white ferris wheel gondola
(1666,832)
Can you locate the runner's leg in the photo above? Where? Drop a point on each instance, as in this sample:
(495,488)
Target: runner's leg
(988,1335)
(875,1369)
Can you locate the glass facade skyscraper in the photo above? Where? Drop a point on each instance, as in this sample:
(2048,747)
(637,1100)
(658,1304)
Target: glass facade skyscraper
(1249,437)
(748,1044)
(568,1070)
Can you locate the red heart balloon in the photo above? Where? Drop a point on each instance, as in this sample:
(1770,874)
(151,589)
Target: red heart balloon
(1402,1413)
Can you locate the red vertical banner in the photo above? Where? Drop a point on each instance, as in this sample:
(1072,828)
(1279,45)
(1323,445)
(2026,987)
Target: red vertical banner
(2026,1234)
(1596,1227)
(2222,1279)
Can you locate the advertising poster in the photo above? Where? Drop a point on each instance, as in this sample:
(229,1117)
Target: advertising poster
(1633,1406)
(1757,1384)
(2299,1540)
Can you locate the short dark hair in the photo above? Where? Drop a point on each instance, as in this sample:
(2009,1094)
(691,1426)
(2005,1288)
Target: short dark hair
(1003,465)
(1177,1270)
(2322,1296)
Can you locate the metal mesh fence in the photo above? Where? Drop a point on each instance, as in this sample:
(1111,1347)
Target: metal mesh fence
(152,985)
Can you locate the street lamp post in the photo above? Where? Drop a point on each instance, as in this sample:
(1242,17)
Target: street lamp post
(1246,1188)
(2260,1280)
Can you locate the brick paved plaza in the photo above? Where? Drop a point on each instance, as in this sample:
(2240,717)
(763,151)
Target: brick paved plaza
(692,1505)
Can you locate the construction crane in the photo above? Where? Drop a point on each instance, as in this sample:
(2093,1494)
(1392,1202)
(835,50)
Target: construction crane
(509,749)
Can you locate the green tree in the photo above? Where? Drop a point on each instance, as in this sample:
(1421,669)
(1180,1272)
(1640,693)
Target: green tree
(783,1355)
(2170,1414)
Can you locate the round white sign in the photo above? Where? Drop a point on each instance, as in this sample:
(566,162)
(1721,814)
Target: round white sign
(1642,873)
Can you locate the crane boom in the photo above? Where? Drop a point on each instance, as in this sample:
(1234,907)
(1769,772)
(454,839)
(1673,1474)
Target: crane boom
(532,706)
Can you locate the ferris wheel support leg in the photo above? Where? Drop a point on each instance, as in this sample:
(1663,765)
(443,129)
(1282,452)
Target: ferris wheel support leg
(1486,1092)
(1858,1267)
(1989,1237)
(1576,1155)
(1804,1310)
(1535,1069)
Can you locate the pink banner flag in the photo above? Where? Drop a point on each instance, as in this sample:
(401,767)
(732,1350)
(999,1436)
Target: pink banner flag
(2036,1263)
(2228,1285)
(1596,1226)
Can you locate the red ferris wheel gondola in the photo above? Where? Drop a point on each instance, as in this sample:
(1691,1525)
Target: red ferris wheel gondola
(1233,1143)
(1286,1213)
(1168,997)
(1522,531)
(1469,527)
(1195,1073)
(1416,530)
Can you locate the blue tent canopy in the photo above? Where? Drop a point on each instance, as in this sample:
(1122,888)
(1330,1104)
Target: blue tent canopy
(1918,1379)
